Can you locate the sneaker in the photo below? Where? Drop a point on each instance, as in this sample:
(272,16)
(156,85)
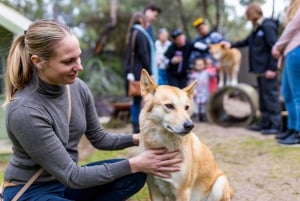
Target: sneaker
(255,127)
(270,131)
(285,134)
(293,140)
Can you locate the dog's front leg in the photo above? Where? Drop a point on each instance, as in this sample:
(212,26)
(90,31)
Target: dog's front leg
(234,75)
(184,195)
(221,78)
(154,191)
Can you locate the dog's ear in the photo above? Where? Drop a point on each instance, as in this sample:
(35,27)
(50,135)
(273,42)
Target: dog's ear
(148,85)
(190,89)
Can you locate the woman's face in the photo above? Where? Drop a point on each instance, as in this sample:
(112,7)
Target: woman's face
(63,66)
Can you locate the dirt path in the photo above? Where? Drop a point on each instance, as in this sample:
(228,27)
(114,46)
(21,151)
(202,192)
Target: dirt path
(258,168)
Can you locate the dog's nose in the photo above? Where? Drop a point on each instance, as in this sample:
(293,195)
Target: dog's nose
(188,125)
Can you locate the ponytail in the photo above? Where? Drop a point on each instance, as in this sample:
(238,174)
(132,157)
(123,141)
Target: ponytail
(19,69)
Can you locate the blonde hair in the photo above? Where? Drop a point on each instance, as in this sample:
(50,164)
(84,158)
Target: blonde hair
(291,11)
(39,40)
(137,18)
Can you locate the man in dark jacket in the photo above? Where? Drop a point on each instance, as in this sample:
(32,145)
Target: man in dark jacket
(200,45)
(260,42)
(178,55)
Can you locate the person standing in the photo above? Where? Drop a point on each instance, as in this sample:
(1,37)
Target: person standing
(161,46)
(48,110)
(178,55)
(288,47)
(202,93)
(200,45)
(140,54)
(151,12)
(264,66)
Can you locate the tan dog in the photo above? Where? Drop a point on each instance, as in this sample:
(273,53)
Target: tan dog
(229,60)
(165,122)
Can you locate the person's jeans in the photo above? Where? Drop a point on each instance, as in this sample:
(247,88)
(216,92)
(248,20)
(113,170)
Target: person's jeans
(162,77)
(291,88)
(135,109)
(118,190)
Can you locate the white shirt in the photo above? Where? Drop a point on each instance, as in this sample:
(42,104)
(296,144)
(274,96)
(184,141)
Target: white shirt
(161,48)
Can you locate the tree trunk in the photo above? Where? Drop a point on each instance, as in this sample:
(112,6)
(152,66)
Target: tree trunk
(108,28)
(183,19)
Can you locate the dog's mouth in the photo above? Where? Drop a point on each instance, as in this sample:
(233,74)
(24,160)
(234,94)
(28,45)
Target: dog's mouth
(183,130)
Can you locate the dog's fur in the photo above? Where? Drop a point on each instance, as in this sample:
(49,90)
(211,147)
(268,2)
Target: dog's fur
(165,122)
(229,60)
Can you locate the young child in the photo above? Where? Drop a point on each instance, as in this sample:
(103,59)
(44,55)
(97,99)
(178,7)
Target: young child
(212,71)
(202,92)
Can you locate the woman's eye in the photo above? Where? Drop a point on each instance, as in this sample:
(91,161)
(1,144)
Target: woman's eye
(187,107)
(169,106)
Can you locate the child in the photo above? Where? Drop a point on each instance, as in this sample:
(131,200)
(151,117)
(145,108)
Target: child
(202,92)
(212,71)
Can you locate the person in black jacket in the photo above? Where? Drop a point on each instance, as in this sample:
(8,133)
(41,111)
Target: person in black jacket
(260,42)
(143,52)
(178,54)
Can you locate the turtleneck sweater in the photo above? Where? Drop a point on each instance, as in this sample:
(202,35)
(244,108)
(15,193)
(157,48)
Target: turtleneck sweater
(37,124)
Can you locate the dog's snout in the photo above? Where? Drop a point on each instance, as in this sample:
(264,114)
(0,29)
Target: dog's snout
(188,125)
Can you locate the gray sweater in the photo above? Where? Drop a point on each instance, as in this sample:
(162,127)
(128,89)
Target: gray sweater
(37,124)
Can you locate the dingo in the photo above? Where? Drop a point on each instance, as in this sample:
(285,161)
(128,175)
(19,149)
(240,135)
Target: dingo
(165,122)
(229,60)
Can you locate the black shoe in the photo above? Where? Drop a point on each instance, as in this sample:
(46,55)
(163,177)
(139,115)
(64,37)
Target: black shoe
(285,134)
(255,127)
(292,140)
(270,131)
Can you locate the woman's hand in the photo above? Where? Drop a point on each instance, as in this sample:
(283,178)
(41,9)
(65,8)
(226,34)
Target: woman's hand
(136,139)
(157,162)
(276,53)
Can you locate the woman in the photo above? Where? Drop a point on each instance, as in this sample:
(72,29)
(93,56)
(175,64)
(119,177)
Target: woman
(45,133)
(288,46)
(140,54)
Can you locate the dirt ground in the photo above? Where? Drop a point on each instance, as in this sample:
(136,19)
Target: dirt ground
(257,167)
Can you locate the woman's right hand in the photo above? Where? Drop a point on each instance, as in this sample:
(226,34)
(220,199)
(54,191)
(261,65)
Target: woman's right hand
(157,162)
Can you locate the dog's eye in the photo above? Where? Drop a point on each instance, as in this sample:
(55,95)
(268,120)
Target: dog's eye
(169,106)
(187,107)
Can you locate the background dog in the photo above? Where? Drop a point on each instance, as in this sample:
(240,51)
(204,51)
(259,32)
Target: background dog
(229,60)
(165,122)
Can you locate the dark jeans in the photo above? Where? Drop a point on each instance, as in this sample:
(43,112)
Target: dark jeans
(269,103)
(135,109)
(119,190)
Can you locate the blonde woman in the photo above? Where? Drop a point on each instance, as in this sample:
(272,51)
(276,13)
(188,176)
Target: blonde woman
(45,126)
(288,46)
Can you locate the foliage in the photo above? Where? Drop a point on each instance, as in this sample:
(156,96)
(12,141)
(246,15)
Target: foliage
(88,22)
(102,80)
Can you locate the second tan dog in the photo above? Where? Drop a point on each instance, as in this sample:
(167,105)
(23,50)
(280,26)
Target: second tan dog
(165,122)
(229,60)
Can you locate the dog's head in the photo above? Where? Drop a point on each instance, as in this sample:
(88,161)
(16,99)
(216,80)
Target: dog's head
(168,107)
(217,50)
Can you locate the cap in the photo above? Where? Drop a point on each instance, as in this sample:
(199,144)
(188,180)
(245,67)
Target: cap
(198,22)
(175,33)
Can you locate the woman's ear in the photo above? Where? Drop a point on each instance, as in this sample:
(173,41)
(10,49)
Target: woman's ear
(37,61)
